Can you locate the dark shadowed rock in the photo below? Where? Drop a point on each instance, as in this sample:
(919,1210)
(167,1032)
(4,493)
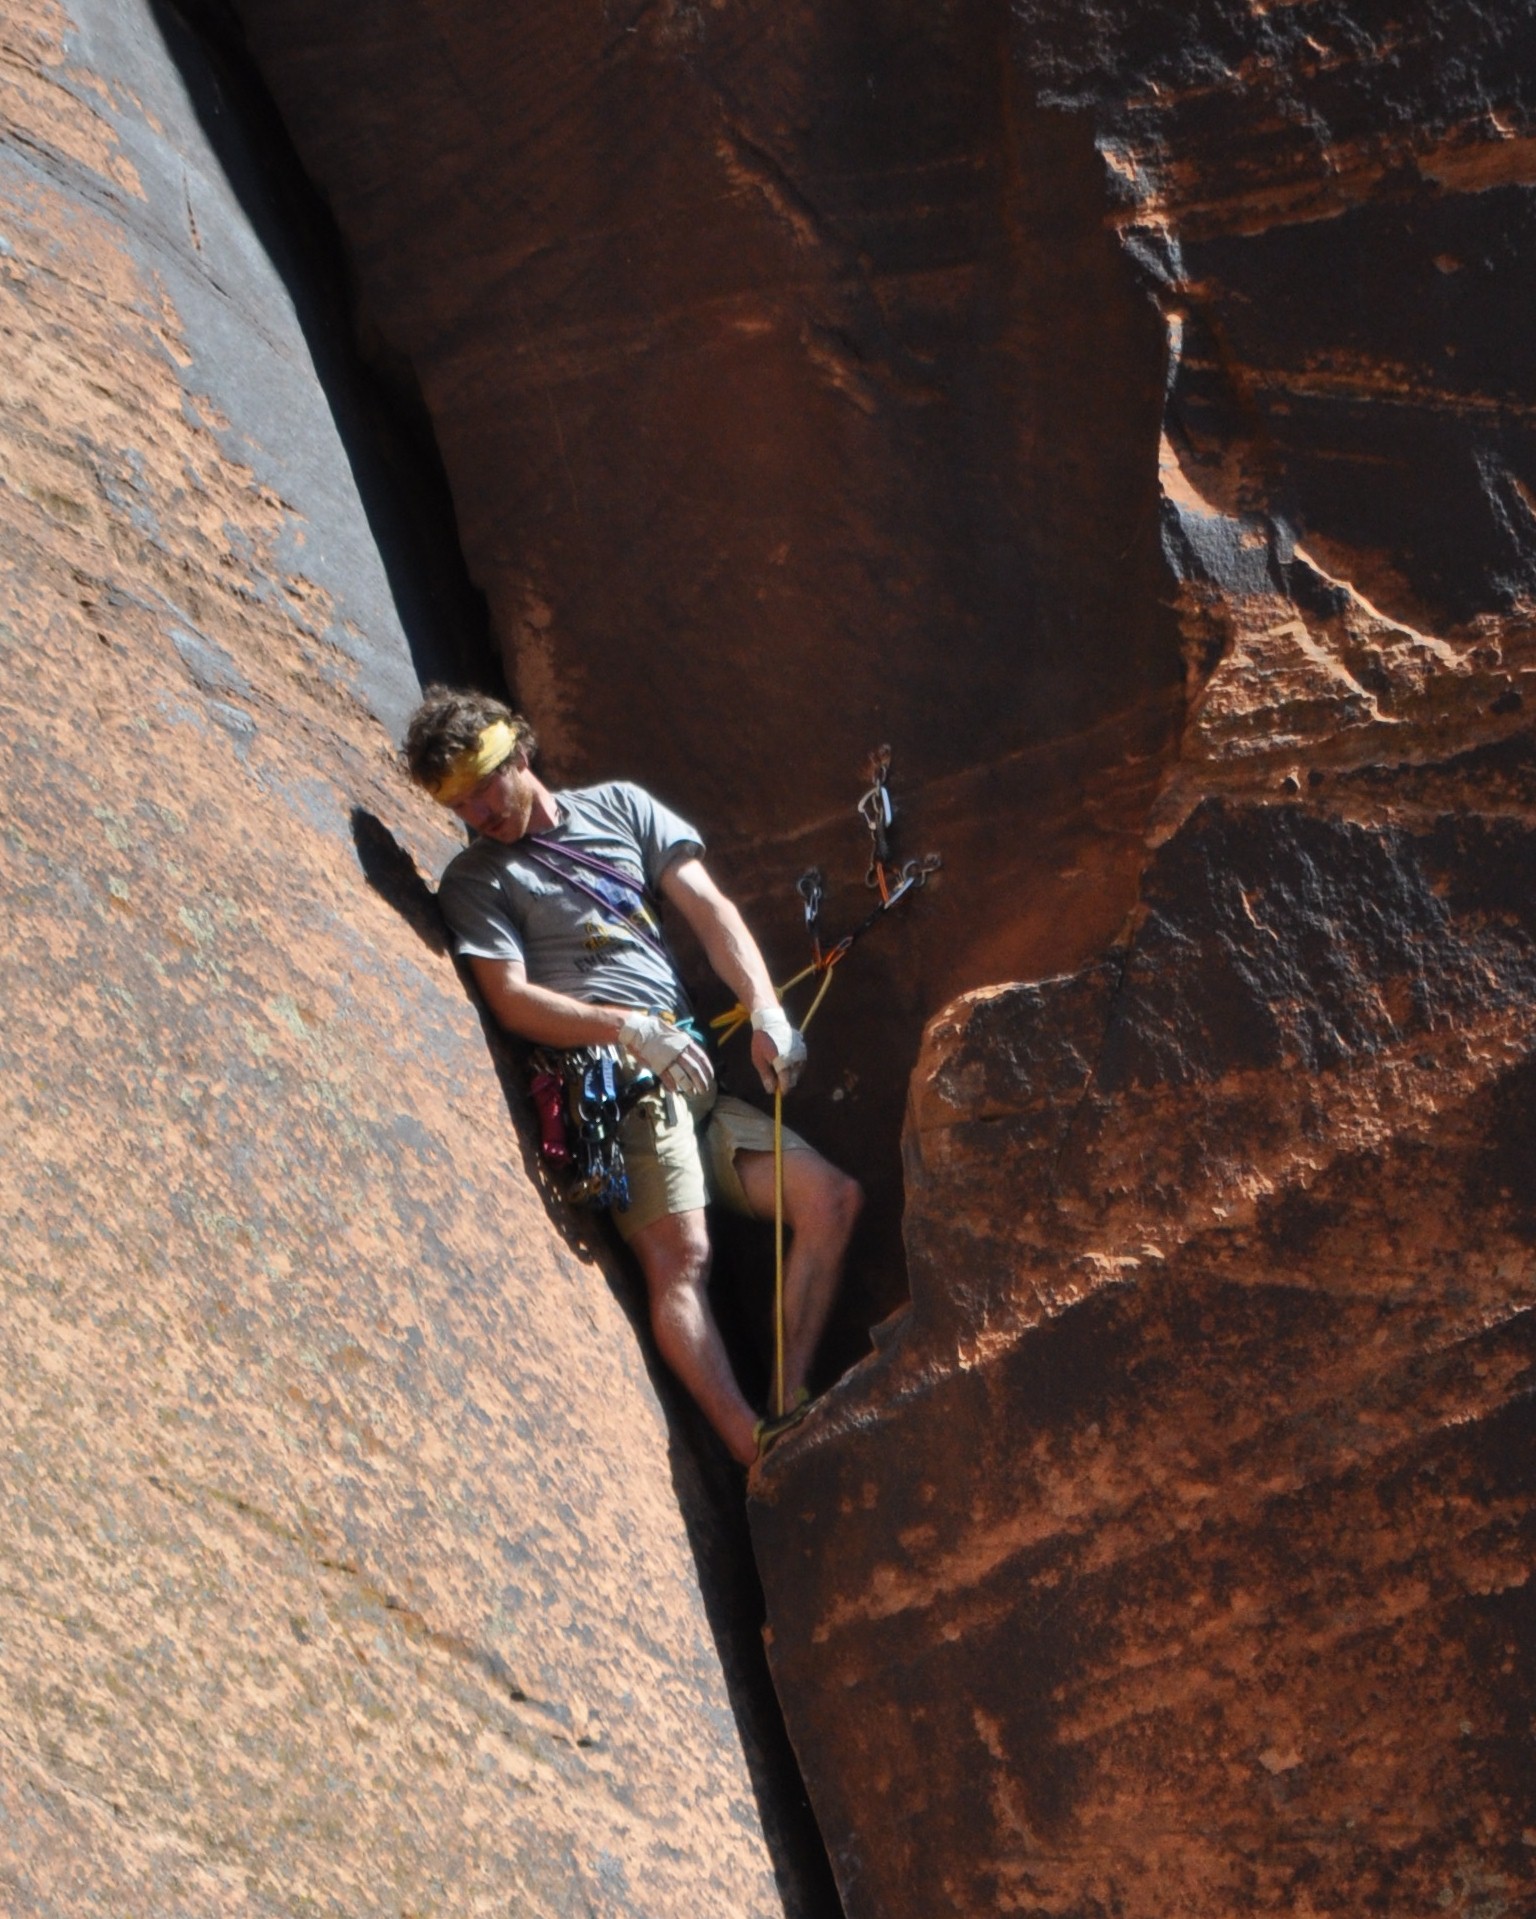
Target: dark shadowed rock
(1172,1555)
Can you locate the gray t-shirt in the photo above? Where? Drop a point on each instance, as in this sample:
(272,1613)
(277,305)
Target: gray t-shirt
(501,903)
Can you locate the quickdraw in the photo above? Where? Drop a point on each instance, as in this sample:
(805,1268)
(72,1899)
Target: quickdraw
(878,812)
(893,890)
(581,1106)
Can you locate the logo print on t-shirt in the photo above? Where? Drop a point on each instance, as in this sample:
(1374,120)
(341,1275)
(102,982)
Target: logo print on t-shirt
(629,902)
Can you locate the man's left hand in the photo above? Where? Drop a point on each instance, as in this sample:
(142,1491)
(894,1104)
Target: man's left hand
(778,1051)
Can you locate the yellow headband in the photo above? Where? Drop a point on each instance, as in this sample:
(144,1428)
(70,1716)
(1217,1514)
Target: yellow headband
(497,742)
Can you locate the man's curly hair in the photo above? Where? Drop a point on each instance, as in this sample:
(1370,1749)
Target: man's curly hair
(448,723)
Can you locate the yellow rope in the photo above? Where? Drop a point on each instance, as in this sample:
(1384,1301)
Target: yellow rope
(821,994)
(778,1252)
(725,1025)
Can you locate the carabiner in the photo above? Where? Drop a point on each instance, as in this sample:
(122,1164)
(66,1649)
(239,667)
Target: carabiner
(810,886)
(876,810)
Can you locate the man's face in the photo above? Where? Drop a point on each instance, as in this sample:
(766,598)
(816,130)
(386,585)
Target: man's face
(501,806)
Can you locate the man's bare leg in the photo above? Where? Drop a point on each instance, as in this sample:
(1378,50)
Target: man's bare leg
(821,1209)
(674,1255)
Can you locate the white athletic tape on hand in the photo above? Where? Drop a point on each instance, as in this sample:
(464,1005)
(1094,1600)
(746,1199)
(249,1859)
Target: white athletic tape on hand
(674,1056)
(788,1046)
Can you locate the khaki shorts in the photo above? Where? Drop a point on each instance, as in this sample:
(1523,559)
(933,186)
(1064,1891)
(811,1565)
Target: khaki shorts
(682,1167)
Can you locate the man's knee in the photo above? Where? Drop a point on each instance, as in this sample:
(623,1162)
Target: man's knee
(846,1200)
(674,1253)
(829,1202)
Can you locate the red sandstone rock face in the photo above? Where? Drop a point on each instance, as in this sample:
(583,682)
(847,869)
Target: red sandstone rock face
(343,1567)
(1173,1554)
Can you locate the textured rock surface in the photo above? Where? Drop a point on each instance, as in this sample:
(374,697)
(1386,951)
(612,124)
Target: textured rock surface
(342,1569)
(1173,1555)
(794,398)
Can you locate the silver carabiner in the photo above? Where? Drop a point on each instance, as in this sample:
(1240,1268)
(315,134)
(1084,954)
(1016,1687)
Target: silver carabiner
(875,808)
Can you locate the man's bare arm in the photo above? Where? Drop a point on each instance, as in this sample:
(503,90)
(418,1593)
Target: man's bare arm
(735,957)
(537,1013)
(721,931)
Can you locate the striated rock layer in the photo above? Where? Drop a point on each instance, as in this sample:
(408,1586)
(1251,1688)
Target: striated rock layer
(1173,1554)
(342,1568)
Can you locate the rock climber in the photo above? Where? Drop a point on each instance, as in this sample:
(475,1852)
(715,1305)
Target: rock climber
(549,906)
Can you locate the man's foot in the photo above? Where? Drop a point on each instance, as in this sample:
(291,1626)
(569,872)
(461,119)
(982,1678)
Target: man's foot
(768,1432)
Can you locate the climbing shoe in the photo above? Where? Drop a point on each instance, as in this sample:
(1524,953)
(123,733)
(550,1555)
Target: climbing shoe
(768,1432)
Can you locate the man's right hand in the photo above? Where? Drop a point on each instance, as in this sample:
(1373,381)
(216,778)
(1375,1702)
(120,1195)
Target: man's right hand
(781,1060)
(674,1056)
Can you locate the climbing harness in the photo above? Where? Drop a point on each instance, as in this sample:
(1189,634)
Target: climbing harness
(582,1101)
(878,812)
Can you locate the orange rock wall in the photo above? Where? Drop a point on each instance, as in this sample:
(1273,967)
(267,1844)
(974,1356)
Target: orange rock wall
(343,1566)
(1124,411)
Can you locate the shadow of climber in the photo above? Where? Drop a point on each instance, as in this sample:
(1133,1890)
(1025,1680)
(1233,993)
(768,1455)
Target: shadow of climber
(395,877)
